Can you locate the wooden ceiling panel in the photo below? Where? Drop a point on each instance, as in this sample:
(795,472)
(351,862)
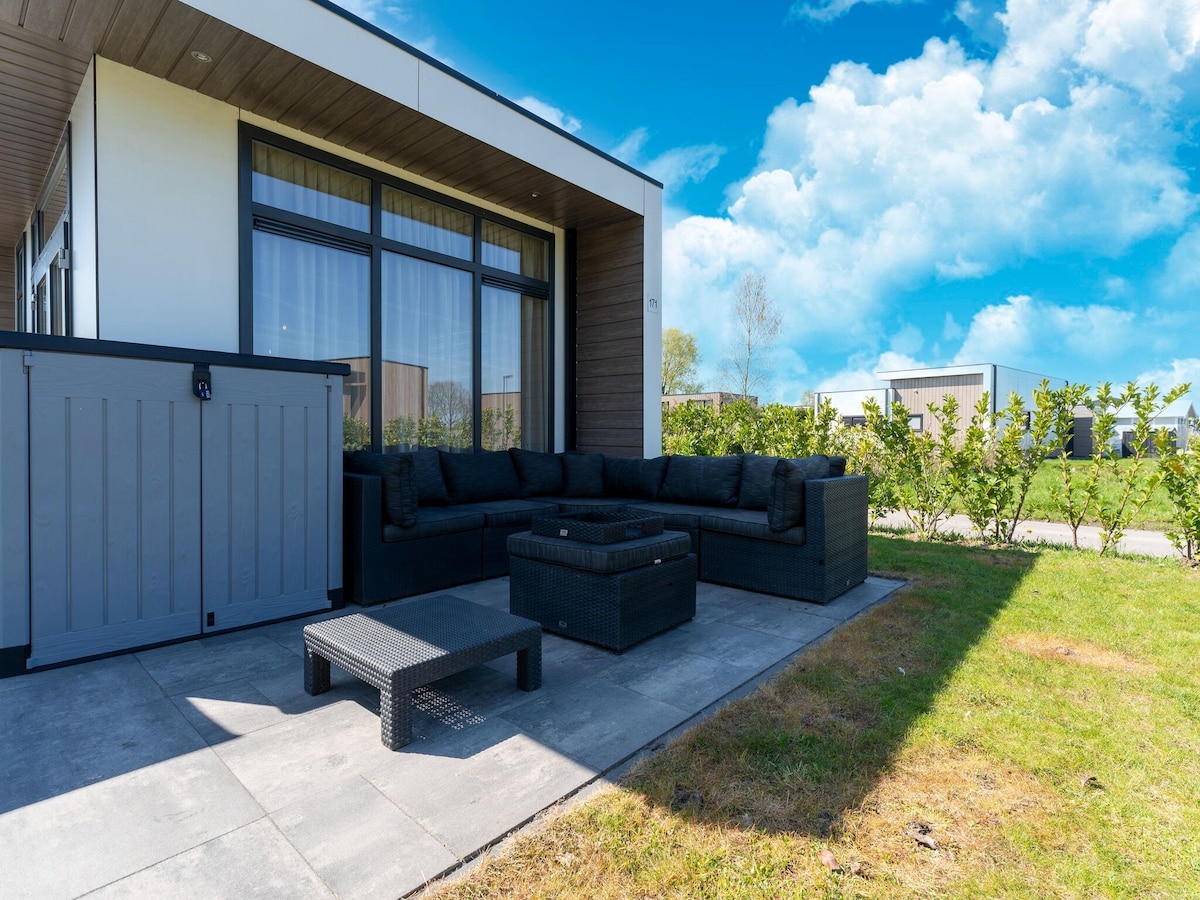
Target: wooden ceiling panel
(10,11)
(213,37)
(134,22)
(302,80)
(352,130)
(89,22)
(329,91)
(171,40)
(269,77)
(327,121)
(239,61)
(46,19)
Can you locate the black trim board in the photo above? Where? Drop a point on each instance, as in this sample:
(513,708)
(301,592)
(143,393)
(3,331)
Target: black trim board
(14,340)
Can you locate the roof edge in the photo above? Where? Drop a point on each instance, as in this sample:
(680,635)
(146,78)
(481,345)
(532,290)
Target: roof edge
(390,38)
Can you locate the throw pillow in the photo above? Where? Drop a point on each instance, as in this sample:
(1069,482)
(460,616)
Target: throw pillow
(837,466)
(702,480)
(399,488)
(813,466)
(633,477)
(583,475)
(786,507)
(757,472)
(427,471)
(478,477)
(540,474)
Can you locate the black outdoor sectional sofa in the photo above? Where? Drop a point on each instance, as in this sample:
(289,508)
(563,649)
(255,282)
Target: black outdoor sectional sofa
(427,520)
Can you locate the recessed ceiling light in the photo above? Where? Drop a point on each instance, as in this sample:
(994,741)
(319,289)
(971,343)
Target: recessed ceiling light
(201,56)
(535,195)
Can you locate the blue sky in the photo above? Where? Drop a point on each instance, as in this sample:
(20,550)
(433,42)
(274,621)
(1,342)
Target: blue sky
(921,183)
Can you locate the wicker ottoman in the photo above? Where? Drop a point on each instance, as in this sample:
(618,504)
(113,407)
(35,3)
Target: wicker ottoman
(410,645)
(613,595)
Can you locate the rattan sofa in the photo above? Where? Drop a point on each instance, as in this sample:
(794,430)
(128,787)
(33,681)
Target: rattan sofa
(427,520)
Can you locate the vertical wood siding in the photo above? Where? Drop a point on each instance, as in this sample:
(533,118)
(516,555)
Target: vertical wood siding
(609,320)
(917,393)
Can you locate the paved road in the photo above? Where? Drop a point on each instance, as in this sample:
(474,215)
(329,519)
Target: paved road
(1148,543)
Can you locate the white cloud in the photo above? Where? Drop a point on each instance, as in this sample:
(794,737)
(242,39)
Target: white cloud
(828,10)
(551,114)
(1181,275)
(859,374)
(674,167)
(947,167)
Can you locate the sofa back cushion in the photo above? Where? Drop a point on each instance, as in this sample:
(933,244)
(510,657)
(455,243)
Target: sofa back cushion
(702,480)
(632,477)
(837,466)
(785,508)
(427,471)
(399,486)
(540,474)
(755,489)
(583,475)
(477,477)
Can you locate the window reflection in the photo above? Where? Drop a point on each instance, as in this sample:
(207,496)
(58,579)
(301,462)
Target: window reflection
(310,188)
(514,338)
(312,301)
(515,251)
(423,223)
(427,368)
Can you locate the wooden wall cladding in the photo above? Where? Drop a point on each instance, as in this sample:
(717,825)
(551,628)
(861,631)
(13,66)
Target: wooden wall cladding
(609,369)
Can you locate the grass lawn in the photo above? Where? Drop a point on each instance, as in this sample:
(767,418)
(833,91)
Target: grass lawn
(1015,723)
(1156,514)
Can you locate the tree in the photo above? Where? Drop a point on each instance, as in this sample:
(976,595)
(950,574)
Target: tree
(756,326)
(679,360)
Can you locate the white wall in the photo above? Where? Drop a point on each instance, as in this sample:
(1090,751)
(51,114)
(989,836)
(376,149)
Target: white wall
(167,212)
(1020,382)
(850,403)
(83,208)
(652,323)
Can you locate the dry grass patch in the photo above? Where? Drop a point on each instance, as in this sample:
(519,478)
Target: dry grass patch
(1080,653)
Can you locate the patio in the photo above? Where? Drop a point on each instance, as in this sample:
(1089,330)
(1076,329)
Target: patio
(203,769)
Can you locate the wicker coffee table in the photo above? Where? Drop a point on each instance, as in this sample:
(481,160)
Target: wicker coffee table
(410,645)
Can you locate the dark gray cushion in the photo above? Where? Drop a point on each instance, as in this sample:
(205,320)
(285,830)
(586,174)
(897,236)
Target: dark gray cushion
(837,466)
(705,480)
(510,513)
(427,471)
(540,474)
(751,523)
(583,475)
(399,488)
(633,477)
(475,477)
(435,521)
(786,508)
(755,489)
(674,515)
(814,466)
(619,557)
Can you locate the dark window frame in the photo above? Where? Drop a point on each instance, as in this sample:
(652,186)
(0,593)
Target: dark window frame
(20,284)
(252,215)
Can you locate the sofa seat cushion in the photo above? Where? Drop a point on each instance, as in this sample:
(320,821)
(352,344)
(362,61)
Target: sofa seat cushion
(620,557)
(674,515)
(751,523)
(509,513)
(478,477)
(436,520)
(704,480)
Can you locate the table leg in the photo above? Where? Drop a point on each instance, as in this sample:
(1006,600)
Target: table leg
(529,667)
(316,673)
(395,717)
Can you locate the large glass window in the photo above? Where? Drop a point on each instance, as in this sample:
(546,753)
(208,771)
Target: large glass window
(515,339)
(428,371)
(414,220)
(442,312)
(45,307)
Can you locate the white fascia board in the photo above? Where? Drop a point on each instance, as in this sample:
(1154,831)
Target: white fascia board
(325,38)
(652,323)
(941,372)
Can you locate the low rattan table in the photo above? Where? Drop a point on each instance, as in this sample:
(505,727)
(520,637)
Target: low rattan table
(407,646)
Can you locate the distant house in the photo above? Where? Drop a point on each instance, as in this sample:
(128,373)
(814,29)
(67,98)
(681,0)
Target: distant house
(713,399)
(1177,417)
(916,389)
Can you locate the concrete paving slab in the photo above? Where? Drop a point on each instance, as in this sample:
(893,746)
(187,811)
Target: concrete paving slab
(228,710)
(715,602)
(781,618)
(254,861)
(727,643)
(82,839)
(685,680)
(45,752)
(199,664)
(594,722)
(478,786)
(360,844)
(565,661)
(305,754)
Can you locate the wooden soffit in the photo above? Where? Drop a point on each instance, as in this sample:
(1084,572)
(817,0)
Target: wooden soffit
(46,46)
